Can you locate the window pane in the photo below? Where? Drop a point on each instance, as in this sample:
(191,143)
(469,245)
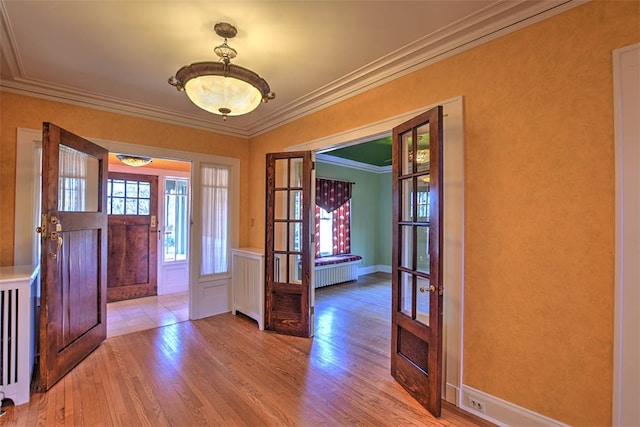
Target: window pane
(280,236)
(406,250)
(78,181)
(131,207)
(295,264)
(326,233)
(422,247)
(175,221)
(117,206)
(145,190)
(118,188)
(281,172)
(295,234)
(406,200)
(295,205)
(214,243)
(295,179)
(406,153)
(144,207)
(422,301)
(422,156)
(132,189)
(406,294)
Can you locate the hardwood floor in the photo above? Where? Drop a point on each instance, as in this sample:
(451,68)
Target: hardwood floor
(223,371)
(125,317)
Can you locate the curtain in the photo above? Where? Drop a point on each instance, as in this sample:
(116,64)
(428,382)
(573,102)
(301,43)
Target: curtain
(317,231)
(334,197)
(215,187)
(72,180)
(342,229)
(331,194)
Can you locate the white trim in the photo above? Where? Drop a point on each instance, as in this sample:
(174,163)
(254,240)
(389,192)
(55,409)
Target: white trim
(369,269)
(453,221)
(339,161)
(501,412)
(207,295)
(626,348)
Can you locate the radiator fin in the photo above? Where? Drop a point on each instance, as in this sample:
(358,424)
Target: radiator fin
(9,302)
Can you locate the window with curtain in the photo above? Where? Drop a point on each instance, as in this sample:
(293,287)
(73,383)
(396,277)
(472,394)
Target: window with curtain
(214,182)
(333,217)
(72,181)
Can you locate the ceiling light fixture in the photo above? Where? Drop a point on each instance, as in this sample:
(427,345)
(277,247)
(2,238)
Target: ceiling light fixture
(135,161)
(221,87)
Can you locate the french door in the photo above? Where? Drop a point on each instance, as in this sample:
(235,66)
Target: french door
(288,268)
(73,235)
(417,291)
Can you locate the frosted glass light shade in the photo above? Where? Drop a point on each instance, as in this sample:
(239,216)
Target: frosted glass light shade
(222,88)
(223,95)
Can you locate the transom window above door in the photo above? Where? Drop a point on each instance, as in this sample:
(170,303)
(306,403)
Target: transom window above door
(128,197)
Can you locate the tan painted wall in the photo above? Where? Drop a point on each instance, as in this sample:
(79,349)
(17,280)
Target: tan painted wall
(539,202)
(26,112)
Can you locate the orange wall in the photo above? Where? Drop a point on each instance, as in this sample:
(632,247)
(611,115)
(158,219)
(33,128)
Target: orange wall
(539,195)
(26,112)
(539,202)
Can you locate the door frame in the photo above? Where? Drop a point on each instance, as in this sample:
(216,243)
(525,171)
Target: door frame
(453,183)
(627,272)
(207,295)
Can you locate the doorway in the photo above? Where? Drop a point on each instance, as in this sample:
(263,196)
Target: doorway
(453,223)
(164,301)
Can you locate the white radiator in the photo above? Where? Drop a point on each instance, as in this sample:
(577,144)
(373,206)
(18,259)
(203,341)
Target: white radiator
(332,274)
(16,331)
(248,283)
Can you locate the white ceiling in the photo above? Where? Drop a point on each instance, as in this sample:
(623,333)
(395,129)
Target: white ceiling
(117,55)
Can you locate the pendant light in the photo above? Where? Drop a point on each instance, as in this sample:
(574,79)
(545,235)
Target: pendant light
(222,87)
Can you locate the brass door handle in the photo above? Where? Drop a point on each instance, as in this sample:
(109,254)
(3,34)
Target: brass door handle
(57,236)
(431,288)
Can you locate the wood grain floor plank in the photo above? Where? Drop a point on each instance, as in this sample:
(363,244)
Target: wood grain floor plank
(223,371)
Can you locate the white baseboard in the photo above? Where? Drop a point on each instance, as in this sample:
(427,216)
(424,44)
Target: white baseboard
(501,412)
(451,393)
(374,269)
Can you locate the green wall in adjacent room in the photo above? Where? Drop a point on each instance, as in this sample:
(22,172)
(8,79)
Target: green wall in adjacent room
(370,211)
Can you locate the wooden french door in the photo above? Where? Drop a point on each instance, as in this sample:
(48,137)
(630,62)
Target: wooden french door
(288,293)
(133,236)
(416,316)
(73,252)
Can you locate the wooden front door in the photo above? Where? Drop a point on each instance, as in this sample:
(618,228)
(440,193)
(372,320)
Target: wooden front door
(132,205)
(416,313)
(288,308)
(74,252)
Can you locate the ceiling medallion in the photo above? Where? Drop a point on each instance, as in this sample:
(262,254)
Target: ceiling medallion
(135,161)
(222,87)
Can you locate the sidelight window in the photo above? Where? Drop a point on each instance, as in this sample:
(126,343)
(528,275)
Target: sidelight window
(175,219)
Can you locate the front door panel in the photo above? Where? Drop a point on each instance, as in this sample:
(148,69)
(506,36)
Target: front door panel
(132,204)
(73,256)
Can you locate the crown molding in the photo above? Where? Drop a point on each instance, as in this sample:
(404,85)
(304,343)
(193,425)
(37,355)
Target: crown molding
(490,23)
(339,161)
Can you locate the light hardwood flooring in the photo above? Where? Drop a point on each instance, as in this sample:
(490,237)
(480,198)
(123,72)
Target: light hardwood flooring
(223,371)
(124,317)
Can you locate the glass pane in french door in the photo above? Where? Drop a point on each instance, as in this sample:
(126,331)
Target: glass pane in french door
(422,300)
